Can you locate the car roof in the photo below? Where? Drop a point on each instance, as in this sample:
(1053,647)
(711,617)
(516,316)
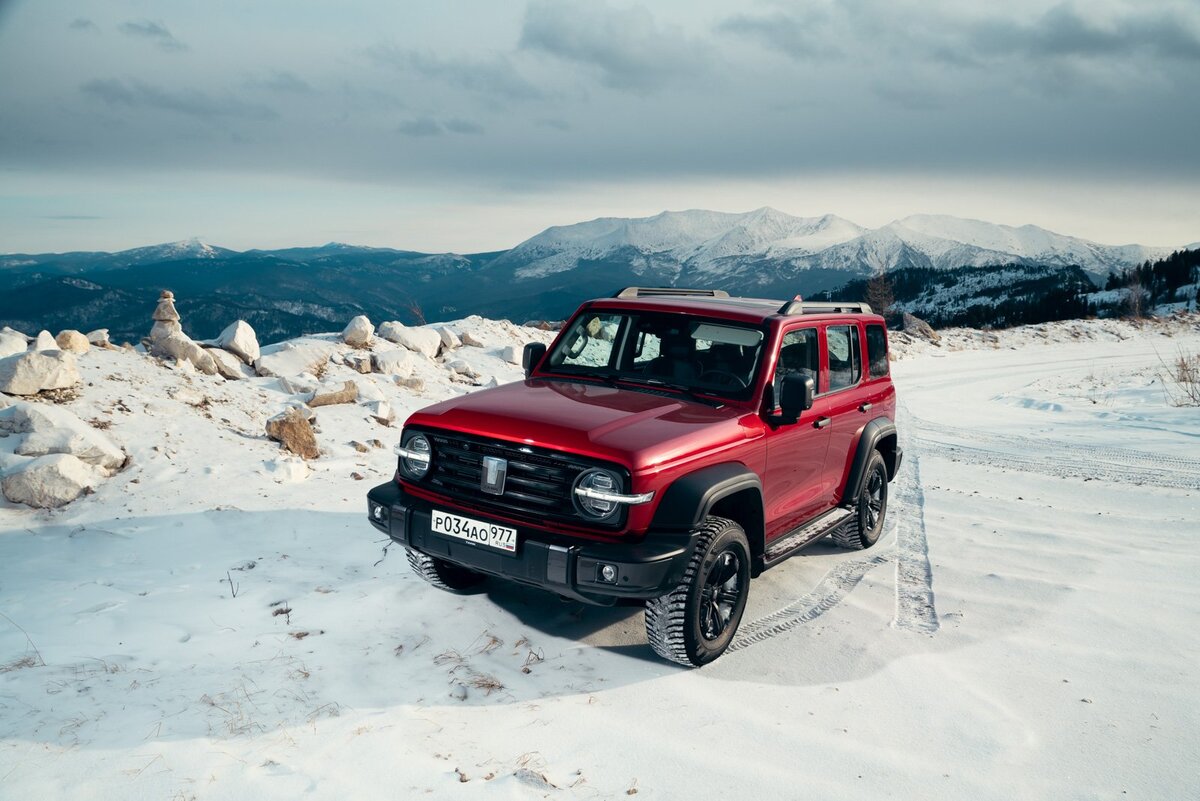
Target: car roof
(747,310)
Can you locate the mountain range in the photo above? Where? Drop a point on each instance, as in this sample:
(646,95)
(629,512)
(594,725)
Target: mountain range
(287,292)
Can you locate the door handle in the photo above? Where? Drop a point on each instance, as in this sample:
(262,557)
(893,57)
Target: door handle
(821,422)
(866,407)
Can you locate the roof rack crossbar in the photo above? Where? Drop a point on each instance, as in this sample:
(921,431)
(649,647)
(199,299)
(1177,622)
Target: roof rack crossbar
(808,307)
(657,291)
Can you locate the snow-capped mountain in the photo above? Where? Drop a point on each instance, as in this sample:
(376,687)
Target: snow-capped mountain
(710,245)
(174,251)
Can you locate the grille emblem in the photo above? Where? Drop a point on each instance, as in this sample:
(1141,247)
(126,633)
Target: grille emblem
(494,472)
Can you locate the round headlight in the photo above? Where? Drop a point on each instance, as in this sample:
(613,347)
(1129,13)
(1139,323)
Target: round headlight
(601,482)
(415,456)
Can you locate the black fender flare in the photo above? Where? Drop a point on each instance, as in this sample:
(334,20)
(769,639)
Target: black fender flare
(690,498)
(874,431)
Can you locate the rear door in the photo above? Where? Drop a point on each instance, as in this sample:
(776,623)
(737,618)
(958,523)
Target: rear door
(796,484)
(845,398)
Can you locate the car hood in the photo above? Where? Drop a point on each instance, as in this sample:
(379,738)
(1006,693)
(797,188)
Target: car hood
(635,428)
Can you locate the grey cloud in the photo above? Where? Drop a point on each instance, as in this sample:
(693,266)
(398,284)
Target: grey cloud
(422,126)
(83,24)
(463,127)
(627,47)
(803,36)
(494,77)
(154,31)
(191,102)
(282,82)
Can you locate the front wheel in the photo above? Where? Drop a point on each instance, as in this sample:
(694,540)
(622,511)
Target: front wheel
(866,524)
(695,622)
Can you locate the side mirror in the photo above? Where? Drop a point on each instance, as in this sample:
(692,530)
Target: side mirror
(534,351)
(796,396)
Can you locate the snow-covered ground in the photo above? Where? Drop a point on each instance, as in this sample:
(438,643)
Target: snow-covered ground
(207,626)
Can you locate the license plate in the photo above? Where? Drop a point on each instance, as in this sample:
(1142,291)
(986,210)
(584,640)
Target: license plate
(501,538)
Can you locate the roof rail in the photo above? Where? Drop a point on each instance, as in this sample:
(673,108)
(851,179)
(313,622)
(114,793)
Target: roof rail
(807,307)
(657,291)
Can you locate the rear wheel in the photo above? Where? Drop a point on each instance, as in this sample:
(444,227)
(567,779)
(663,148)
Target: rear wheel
(866,524)
(442,574)
(695,622)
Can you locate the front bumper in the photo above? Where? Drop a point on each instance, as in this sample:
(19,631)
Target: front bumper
(558,563)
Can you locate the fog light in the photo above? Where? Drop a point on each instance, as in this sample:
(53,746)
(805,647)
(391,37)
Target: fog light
(378,512)
(608,574)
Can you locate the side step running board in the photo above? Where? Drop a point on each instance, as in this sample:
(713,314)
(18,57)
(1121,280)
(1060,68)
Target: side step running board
(796,539)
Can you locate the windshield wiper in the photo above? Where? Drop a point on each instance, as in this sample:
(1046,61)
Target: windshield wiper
(605,378)
(684,388)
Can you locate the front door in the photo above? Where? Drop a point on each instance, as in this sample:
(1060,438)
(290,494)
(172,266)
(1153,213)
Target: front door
(795,486)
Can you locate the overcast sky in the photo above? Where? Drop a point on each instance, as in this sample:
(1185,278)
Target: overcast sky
(473,125)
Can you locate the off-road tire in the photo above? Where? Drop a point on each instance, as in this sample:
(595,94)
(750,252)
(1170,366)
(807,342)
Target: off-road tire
(863,528)
(673,621)
(441,573)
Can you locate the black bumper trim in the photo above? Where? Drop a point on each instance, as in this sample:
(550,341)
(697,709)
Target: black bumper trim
(559,563)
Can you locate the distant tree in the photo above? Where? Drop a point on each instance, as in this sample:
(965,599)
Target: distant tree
(1136,297)
(880,295)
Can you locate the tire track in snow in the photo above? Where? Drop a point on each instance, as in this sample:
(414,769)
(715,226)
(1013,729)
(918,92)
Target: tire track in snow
(915,609)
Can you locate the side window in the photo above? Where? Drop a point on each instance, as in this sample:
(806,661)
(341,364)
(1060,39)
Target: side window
(647,348)
(798,354)
(845,361)
(877,353)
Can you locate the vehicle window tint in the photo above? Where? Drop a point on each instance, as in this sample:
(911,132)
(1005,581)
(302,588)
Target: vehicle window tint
(798,354)
(589,342)
(845,361)
(877,354)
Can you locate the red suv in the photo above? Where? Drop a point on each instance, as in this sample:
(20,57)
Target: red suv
(669,446)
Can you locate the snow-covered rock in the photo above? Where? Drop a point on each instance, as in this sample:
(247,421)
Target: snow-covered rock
(33,371)
(425,341)
(413,383)
(296,356)
(240,340)
(381,411)
(99,338)
(49,482)
(52,429)
(228,365)
(368,390)
(461,367)
(348,393)
(359,362)
(390,330)
(469,339)
(182,348)
(511,354)
(358,332)
(450,340)
(400,361)
(12,342)
(45,341)
(73,341)
(288,469)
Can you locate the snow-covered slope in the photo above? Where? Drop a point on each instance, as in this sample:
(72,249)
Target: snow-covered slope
(712,243)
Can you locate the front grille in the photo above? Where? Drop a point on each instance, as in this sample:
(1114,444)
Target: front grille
(537,488)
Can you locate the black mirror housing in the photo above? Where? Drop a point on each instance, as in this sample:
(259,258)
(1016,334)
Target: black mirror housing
(534,351)
(796,396)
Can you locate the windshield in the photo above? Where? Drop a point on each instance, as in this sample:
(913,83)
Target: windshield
(713,357)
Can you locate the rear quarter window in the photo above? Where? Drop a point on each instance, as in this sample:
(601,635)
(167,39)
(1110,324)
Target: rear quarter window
(877,351)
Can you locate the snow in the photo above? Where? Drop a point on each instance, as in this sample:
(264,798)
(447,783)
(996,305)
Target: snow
(217,623)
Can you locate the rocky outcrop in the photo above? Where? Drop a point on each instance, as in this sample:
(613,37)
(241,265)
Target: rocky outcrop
(34,371)
(51,429)
(240,340)
(73,341)
(359,332)
(294,432)
(49,482)
(347,394)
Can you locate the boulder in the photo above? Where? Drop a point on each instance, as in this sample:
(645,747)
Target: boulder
(347,394)
(359,362)
(472,341)
(293,431)
(45,341)
(511,354)
(450,340)
(99,338)
(303,384)
(240,340)
(288,470)
(917,327)
(381,411)
(400,361)
(52,429)
(461,367)
(358,332)
(12,343)
(33,371)
(73,341)
(295,357)
(183,348)
(414,383)
(390,330)
(425,341)
(48,482)
(228,366)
